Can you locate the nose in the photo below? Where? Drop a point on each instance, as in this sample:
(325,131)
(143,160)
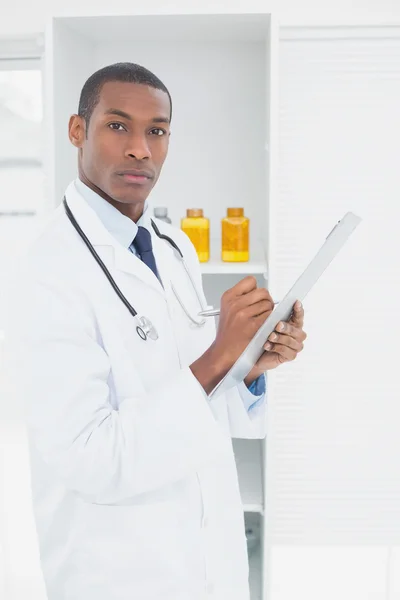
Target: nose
(138,147)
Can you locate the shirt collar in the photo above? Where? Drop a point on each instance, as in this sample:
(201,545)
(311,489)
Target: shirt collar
(122,228)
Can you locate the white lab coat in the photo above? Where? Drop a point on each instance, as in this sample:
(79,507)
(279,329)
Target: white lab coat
(135,490)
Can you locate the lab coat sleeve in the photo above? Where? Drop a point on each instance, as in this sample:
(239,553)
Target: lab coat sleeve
(254,394)
(105,455)
(244,422)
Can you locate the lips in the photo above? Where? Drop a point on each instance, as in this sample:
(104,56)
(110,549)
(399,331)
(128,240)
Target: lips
(136,176)
(136,173)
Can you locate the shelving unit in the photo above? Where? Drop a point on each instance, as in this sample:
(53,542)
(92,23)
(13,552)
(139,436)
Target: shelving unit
(223,144)
(248,454)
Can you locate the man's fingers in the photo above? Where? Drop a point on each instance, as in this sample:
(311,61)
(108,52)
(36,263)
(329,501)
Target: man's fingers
(286,340)
(254,297)
(291,330)
(258,308)
(244,286)
(285,353)
(297,317)
(247,285)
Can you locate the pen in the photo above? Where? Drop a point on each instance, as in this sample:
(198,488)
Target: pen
(213,312)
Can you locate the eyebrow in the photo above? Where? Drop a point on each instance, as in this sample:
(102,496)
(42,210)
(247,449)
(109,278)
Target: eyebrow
(124,115)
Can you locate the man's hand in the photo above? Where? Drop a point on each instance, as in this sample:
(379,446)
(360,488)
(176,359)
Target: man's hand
(244,308)
(283,344)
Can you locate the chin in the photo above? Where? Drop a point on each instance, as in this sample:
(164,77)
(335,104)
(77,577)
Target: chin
(130,195)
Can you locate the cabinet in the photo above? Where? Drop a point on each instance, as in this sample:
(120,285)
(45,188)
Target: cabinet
(220,68)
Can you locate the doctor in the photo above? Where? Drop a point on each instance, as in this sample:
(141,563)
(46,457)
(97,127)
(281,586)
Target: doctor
(135,489)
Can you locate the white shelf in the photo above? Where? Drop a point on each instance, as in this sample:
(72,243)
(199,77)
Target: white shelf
(253,508)
(248,461)
(218,267)
(215,266)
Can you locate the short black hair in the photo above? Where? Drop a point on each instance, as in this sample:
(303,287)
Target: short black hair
(126,72)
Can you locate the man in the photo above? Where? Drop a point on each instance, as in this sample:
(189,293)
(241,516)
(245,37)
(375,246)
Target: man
(134,482)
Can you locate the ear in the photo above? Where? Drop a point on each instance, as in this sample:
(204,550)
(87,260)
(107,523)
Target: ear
(77,130)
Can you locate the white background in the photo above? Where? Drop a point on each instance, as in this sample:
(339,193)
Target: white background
(333,468)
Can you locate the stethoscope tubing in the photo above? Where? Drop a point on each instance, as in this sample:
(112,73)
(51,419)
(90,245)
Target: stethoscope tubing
(143,320)
(98,259)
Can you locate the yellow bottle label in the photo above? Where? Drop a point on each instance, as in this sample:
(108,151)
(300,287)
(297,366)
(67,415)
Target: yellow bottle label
(198,230)
(235,239)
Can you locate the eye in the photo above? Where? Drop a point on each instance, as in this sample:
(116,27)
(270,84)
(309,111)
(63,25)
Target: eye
(115,127)
(158,131)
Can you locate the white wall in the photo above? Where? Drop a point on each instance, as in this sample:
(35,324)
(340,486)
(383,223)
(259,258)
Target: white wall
(25,16)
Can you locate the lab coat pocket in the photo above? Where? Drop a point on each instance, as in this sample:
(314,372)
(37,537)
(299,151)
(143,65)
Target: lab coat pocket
(132,545)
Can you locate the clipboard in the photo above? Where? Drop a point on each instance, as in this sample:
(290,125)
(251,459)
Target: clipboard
(282,312)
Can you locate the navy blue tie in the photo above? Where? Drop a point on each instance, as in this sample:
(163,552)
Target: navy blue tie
(143,246)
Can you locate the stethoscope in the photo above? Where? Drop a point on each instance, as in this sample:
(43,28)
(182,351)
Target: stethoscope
(145,328)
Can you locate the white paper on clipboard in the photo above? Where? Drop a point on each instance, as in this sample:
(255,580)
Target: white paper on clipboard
(333,243)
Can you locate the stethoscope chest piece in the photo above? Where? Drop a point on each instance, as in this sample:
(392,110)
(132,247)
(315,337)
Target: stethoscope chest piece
(146,329)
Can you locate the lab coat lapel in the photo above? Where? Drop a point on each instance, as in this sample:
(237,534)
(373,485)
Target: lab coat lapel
(119,258)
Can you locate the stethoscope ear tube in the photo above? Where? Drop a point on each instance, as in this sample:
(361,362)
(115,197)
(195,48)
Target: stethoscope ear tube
(176,247)
(166,238)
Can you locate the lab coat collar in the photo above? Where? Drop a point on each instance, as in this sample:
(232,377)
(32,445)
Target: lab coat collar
(122,259)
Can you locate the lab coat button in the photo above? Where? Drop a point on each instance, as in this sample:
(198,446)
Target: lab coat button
(205,522)
(210,588)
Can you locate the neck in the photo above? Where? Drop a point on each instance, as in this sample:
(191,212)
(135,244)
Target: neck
(132,211)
